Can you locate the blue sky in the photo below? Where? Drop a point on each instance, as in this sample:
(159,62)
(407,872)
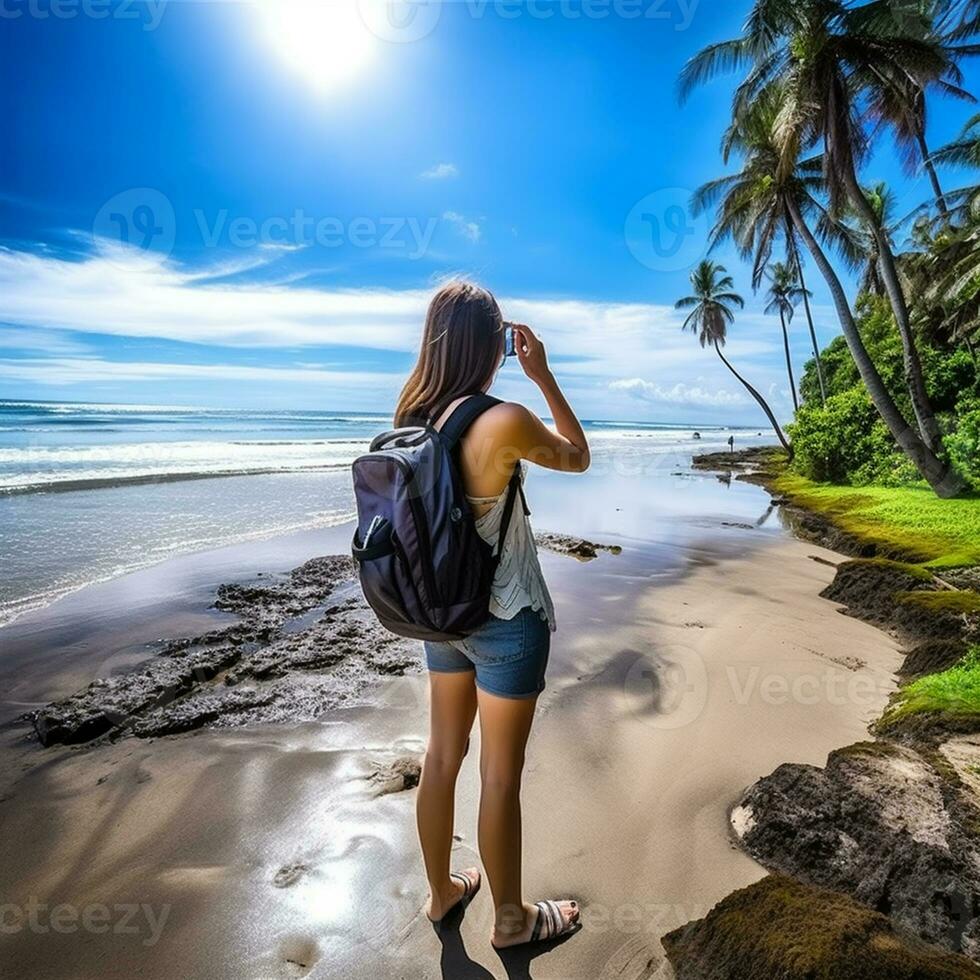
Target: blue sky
(246,204)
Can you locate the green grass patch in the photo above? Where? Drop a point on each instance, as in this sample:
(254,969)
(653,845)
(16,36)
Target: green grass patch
(902,567)
(904,522)
(942,602)
(952,692)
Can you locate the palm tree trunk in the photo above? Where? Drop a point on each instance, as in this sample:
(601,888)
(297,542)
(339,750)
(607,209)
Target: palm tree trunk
(940,477)
(809,321)
(762,402)
(930,169)
(914,377)
(789,361)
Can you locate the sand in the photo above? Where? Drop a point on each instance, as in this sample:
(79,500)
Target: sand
(288,850)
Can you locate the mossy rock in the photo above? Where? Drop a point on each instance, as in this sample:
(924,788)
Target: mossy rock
(931,656)
(937,615)
(781,928)
(867,587)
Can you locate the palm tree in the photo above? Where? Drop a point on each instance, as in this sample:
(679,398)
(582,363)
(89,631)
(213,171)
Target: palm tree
(882,202)
(830,60)
(752,202)
(711,314)
(902,104)
(964,151)
(783,295)
(825,60)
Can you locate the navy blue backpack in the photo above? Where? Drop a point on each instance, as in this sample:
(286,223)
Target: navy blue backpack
(424,569)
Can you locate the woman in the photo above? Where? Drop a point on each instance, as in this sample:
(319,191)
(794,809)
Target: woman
(498,671)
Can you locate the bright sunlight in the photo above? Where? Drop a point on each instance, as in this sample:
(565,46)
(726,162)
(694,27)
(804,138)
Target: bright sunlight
(327,43)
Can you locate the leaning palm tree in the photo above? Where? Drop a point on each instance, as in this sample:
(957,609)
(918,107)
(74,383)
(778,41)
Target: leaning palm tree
(831,61)
(751,203)
(783,295)
(711,305)
(752,207)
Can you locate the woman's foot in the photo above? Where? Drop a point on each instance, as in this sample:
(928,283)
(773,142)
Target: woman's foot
(544,920)
(463,885)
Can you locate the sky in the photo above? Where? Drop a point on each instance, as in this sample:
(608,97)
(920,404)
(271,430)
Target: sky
(247,204)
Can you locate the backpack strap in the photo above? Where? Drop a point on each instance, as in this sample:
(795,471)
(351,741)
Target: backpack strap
(464,416)
(452,431)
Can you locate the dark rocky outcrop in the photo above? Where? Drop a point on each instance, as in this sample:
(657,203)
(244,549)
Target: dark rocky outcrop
(781,928)
(302,644)
(881,824)
(564,544)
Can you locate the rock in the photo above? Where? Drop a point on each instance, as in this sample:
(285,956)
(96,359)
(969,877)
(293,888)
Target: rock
(931,657)
(578,548)
(881,824)
(402,774)
(781,929)
(111,703)
(867,587)
(301,647)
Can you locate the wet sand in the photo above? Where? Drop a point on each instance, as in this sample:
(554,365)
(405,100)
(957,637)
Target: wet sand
(683,670)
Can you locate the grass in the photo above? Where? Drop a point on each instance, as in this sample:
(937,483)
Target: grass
(904,522)
(942,602)
(952,692)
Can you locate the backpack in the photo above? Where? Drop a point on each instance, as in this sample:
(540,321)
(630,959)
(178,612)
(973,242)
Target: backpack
(424,569)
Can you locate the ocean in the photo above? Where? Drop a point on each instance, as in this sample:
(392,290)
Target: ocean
(89,492)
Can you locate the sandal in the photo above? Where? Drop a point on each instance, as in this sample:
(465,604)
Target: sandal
(470,887)
(549,924)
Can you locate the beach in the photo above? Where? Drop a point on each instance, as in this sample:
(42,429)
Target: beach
(685,668)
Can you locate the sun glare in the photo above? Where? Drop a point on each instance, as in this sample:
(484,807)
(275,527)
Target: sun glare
(325,41)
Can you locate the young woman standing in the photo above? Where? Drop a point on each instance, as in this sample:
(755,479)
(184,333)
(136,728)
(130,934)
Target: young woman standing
(498,671)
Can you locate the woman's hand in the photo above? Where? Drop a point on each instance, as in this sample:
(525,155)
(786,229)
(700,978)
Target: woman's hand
(531,354)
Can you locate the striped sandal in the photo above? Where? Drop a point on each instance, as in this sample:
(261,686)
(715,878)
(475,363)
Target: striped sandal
(549,924)
(470,887)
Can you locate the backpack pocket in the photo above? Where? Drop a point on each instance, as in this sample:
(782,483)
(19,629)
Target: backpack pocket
(386,580)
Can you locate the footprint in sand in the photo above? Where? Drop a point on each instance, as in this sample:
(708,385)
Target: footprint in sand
(289,874)
(299,956)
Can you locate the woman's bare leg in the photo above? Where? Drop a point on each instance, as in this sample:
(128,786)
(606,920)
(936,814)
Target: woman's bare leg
(505,724)
(452,707)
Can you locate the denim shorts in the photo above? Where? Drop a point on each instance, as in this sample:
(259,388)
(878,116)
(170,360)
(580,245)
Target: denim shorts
(509,655)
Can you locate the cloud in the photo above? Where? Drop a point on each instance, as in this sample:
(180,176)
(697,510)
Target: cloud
(679,393)
(441,171)
(78,370)
(610,355)
(468,229)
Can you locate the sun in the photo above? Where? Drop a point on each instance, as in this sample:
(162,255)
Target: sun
(325,41)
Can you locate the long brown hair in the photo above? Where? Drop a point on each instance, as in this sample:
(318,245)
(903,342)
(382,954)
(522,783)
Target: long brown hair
(462,344)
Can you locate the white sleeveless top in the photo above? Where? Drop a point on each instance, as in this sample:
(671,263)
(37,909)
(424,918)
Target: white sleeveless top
(519,581)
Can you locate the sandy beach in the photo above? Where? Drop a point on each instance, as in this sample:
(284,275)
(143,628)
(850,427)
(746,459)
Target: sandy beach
(685,668)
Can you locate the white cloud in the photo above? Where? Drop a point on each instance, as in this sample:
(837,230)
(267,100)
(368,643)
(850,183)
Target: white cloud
(468,229)
(608,354)
(441,171)
(77,370)
(679,393)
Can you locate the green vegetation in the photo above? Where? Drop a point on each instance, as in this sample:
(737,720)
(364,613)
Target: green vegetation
(896,399)
(844,440)
(952,693)
(957,603)
(907,522)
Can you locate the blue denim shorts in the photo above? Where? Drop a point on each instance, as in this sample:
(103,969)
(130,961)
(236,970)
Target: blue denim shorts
(509,656)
